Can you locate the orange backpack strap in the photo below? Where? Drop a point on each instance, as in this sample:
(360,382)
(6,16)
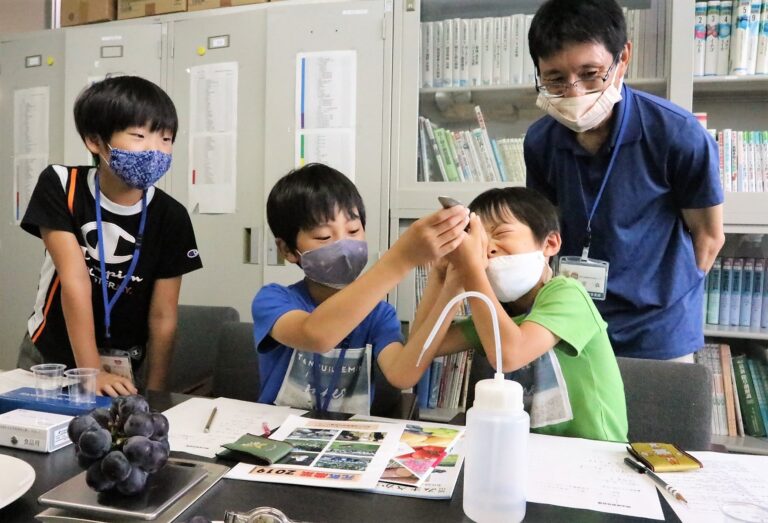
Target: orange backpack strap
(71,190)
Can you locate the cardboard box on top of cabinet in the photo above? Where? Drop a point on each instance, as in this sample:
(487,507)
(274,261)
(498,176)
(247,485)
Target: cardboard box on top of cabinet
(198,5)
(78,12)
(138,8)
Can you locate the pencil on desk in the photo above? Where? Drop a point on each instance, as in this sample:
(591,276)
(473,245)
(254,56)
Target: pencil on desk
(642,469)
(207,427)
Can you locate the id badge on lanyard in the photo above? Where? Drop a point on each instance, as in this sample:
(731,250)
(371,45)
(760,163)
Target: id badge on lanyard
(593,273)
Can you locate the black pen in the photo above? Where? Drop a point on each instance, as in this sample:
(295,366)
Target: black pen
(642,469)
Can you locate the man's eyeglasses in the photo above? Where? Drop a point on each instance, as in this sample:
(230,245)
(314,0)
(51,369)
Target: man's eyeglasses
(586,84)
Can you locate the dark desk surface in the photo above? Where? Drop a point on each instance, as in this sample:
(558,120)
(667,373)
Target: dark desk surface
(300,503)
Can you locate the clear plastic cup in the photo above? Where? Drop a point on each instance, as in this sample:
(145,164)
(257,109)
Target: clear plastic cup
(48,378)
(82,385)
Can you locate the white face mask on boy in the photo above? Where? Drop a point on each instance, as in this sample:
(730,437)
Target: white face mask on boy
(512,276)
(582,113)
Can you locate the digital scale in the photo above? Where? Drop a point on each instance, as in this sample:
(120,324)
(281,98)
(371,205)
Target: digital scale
(169,492)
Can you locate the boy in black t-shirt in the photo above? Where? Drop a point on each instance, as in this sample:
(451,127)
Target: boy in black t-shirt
(116,246)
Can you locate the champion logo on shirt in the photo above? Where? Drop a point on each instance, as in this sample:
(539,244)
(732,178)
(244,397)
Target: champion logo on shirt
(192,253)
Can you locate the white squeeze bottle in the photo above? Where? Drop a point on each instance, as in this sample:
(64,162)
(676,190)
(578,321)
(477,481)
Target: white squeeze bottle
(496,440)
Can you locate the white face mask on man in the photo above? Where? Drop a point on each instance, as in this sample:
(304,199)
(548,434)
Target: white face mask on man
(582,113)
(514,275)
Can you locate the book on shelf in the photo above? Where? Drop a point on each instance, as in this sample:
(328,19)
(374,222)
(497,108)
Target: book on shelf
(709,356)
(711,51)
(750,408)
(724,351)
(724,37)
(758,378)
(743,159)
(735,292)
(468,155)
(699,37)
(737,402)
(493,51)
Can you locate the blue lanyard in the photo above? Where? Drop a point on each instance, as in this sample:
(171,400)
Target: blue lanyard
(322,403)
(108,304)
(609,169)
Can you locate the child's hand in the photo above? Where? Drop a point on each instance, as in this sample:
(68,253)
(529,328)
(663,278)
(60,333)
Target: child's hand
(472,255)
(433,236)
(113,385)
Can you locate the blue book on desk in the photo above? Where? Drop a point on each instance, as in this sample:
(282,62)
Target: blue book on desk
(26,398)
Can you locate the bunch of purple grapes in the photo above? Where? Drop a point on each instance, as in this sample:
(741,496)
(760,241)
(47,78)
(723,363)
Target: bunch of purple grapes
(120,446)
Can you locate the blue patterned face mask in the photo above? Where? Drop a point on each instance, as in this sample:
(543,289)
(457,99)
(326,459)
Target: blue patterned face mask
(337,264)
(139,169)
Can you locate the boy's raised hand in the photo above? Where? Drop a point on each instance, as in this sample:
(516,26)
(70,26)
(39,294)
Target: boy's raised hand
(433,236)
(471,254)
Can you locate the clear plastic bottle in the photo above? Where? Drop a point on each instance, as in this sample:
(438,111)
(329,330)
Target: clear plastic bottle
(496,462)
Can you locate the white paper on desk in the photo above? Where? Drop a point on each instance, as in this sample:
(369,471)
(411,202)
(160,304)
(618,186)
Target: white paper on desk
(233,419)
(328,453)
(724,478)
(586,474)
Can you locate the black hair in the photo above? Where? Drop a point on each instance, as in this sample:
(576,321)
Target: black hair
(527,205)
(559,23)
(309,196)
(115,104)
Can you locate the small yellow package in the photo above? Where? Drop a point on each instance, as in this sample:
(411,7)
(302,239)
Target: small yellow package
(663,457)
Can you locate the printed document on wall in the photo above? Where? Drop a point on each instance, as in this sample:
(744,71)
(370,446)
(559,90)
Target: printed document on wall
(212,177)
(326,97)
(31,117)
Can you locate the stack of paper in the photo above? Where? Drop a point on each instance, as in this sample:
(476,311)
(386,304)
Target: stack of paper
(232,419)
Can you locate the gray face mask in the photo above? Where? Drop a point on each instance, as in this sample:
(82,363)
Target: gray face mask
(335,265)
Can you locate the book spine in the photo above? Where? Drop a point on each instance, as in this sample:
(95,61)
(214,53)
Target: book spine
(435,149)
(475,51)
(427,64)
(445,152)
(434,385)
(727,168)
(750,410)
(422,389)
(448,38)
(711,51)
(456,52)
(758,288)
(740,38)
(464,52)
(762,42)
(499,162)
(724,37)
(486,59)
(452,150)
(754,370)
(747,288)
(713,292)
(730,405)
(764,313)
(518,47)
(424,174)
(754,34)
(737,402)
(506,51)
(737,273)
(528,67)
(437,54)
(497,51)
(700,37)
(726,282)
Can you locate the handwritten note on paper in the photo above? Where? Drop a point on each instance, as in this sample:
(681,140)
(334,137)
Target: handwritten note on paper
(724,478)
(233,419)
(585,474)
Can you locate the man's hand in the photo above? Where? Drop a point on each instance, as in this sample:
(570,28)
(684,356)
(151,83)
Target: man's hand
(113,385)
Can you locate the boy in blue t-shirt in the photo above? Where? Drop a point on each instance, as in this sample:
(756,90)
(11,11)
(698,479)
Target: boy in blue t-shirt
(315,337)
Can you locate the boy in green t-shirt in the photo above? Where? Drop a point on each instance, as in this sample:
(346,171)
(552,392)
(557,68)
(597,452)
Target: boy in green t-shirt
(505,257)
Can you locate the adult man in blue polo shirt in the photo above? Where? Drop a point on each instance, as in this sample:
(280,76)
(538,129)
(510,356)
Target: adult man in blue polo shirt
(635,177)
